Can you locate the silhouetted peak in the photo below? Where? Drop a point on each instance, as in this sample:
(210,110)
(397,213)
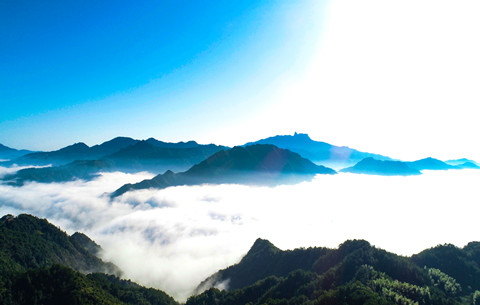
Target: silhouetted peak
(5,148)
(80,146)
(352,245)
(169,173)
(303,136)
(6,218)
(261,246)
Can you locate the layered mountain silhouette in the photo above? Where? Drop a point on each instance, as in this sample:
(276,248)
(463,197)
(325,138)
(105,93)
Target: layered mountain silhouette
(156,156)
(463,162)
(371,166)
(254,164)
(429,164)
(354,273)
(77,151)
(319,152)
(7,153)
(80,169)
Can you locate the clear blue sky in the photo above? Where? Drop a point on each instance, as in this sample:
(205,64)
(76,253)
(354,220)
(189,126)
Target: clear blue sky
(395,78)
(88,70)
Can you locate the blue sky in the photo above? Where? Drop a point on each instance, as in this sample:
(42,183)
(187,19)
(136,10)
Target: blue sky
(81,71)
(399,79)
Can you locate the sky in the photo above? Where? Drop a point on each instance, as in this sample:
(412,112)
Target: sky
(394,78)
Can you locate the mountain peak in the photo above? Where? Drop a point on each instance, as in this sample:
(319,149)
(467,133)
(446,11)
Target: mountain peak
(304,136)
(261,246)
(80,146)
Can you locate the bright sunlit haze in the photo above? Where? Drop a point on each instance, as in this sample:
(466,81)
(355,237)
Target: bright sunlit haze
(398,79)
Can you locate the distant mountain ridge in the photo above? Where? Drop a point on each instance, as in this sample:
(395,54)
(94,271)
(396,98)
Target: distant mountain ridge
(156,156)
(254,164)
(371,166)
(79,169)
(429,164)
(8,153)
(318,152)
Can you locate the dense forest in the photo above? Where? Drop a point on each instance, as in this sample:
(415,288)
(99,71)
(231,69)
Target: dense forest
(40,264)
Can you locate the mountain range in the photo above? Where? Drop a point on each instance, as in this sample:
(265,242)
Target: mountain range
(39,263)
(7,153)
(319,152)
(80,169)
(355,273)
(258,164)
(125,153)
(371,166)
(79,161)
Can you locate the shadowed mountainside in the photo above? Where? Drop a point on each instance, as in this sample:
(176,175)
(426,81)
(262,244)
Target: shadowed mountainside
(255,164)
(156,156)
(80,169)
(7,153)
(30,242)
(38,263)
(355,273)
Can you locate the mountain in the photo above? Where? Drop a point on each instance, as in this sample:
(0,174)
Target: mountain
(371,166)
(29,242)
(156,156)
(38,264)
(80,169)
(157,143)
(461,161)
(463,264)
(261,261)
(77,151)
(319,152)
(254,164)
(469,165)
(7,153)
(429,164)
(354,273)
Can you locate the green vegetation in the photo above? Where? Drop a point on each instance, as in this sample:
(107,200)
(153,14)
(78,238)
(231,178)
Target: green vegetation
(355,273)
(40,264)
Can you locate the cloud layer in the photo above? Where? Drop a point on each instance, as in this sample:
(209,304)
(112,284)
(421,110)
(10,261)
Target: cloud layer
(174,238)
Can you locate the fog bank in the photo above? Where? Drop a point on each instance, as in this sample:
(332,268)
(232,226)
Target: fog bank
(174,238)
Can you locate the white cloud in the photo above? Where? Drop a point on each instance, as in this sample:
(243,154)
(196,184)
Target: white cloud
(174,238)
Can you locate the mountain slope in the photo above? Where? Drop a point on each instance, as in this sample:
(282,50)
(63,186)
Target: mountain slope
(80,169)
(319,152)
(255,164)
(461,161)
(157,156)
(262,260)
(429,164)
(8,153)
(371,166)
(37,262)
(355,273)
(77,151)
(29,242)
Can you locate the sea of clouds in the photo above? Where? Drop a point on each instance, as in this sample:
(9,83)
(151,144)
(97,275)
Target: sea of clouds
(172,239)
